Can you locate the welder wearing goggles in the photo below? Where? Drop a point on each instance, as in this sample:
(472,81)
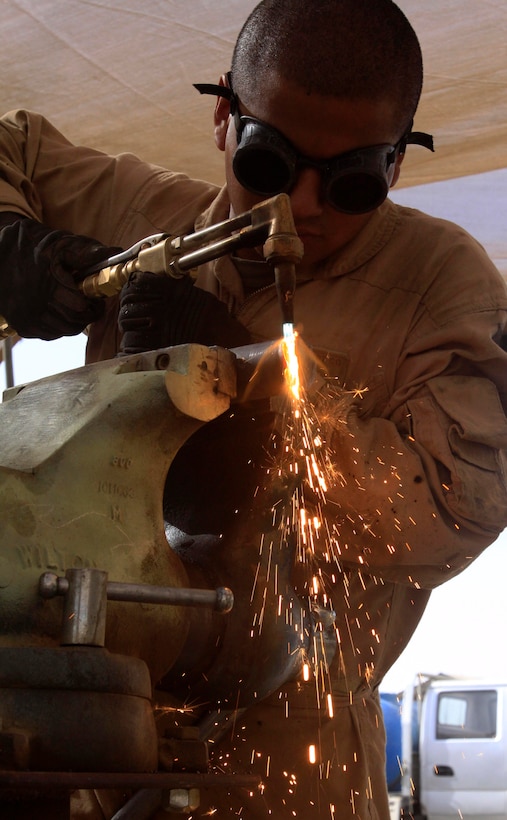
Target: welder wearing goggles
(404,310)
(266,163)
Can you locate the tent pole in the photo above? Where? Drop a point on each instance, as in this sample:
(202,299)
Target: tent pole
(9,368)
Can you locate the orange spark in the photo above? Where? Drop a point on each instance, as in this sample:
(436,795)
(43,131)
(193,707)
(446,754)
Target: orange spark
(291,372)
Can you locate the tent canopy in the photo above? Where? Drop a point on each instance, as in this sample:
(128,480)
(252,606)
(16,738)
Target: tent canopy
(117,75)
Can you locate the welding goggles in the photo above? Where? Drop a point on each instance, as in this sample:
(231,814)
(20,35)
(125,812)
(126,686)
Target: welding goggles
(266,163)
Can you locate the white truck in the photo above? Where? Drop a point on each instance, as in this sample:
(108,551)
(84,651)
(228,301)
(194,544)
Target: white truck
(447,749)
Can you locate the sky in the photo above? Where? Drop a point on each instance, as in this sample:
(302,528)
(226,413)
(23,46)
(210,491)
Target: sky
(461,632)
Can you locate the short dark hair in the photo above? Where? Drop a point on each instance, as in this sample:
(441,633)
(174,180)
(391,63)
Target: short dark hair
(352,49)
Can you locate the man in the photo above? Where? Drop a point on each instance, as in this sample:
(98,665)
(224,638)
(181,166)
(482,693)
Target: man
(405,311)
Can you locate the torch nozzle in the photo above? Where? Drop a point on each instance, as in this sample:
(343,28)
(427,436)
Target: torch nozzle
(285,280)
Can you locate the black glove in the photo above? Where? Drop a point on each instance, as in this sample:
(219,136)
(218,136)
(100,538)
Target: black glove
(39,272)
(159,311)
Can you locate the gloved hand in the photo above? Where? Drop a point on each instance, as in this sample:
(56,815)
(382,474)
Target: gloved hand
(159,311)
(39,272)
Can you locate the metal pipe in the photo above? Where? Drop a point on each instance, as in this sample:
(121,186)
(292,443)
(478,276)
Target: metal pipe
(8,361)
(141,806)
(221,598)
(84,615)
(249,237)
(121,780)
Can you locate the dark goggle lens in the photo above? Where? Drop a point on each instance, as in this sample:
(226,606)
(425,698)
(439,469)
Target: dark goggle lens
(262,171)
(262,163)
(357,192)
(265,163)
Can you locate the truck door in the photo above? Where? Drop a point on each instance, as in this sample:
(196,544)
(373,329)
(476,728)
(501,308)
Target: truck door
(463,754)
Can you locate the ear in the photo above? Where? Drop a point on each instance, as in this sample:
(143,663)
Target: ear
(397,170)
(221,117)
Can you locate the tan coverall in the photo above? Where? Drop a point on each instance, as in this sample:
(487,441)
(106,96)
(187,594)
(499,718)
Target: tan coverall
(406,316)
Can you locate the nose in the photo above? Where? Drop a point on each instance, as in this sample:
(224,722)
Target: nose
(306,195)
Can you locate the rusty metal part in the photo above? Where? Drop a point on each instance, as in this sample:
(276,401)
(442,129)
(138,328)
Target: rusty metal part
(183,754)
(56,696)
(14,749)
(83,460)
(119,780)
(30,804)
(96,465)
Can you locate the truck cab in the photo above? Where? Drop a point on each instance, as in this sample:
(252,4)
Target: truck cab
(453,761)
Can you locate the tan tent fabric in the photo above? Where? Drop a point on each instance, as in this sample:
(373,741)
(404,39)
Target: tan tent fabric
(464,102)
(118,75)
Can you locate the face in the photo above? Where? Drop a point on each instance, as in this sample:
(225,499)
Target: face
(318,127)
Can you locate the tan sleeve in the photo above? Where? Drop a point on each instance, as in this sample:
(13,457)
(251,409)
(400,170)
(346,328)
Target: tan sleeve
(418,496)
(116,199)
(19,146)
(398,512)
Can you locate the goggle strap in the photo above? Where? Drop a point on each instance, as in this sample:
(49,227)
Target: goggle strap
(412,138)
(218,91)
(420,138)
(215,90)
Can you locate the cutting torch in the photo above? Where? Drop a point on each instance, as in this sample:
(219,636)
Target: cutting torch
(269,224)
